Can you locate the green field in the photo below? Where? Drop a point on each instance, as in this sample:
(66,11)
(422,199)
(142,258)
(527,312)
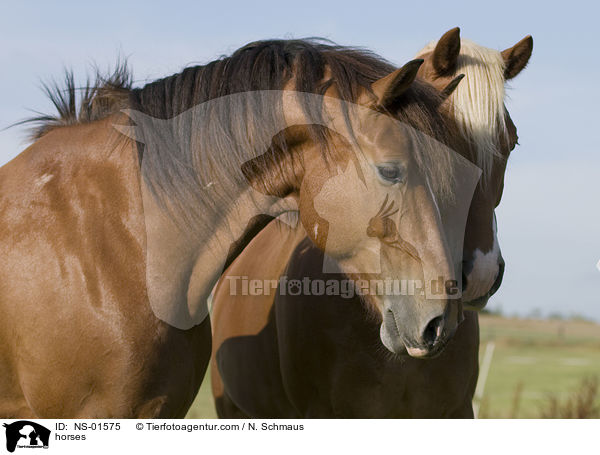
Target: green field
(534,361)
(203,406)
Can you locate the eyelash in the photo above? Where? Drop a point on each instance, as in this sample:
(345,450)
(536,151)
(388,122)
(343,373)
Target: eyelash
(393,180)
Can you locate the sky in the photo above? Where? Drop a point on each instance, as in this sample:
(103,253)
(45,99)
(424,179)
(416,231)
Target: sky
(548,220)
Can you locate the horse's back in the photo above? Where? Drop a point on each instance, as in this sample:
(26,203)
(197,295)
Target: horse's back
(75,314)
(62,202)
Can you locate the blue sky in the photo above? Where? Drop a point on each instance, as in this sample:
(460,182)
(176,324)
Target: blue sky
(548,220)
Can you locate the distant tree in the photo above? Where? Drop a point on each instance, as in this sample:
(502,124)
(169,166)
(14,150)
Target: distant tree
(579,318)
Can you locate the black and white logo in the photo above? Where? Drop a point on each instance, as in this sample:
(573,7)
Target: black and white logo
(25,434)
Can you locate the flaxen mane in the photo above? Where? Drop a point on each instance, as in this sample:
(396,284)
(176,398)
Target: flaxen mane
(479,98)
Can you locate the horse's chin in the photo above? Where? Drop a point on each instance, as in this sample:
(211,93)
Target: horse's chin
(480,302)
(477,304)
(391,340)
(397,347)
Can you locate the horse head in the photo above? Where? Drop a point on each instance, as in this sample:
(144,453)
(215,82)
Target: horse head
(377,201)
(485,120)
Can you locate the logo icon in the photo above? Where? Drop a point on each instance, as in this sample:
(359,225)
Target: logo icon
(26,434)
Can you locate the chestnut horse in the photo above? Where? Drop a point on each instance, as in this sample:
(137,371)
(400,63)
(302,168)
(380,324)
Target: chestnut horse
(120,218)
(298,355)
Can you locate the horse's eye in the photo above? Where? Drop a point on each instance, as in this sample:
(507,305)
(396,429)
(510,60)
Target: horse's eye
(390,173)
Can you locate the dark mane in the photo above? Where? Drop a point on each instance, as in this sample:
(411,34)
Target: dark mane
(264,65)
(98,98)
(203,142)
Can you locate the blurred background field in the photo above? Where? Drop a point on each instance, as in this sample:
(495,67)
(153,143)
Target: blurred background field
(539,368)
(203,406)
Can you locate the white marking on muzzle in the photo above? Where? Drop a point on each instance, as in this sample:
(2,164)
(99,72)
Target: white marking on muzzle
(485,270)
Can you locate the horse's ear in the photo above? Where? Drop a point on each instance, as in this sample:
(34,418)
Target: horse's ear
(389,88)
(447,91)
(445,54)
(516,57)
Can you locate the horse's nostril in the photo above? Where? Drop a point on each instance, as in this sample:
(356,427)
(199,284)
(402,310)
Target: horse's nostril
(433,331)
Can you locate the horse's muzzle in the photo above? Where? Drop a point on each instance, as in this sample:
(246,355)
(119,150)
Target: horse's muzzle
(480,302)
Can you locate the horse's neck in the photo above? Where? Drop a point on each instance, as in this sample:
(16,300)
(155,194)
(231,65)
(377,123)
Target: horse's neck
(183,267)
